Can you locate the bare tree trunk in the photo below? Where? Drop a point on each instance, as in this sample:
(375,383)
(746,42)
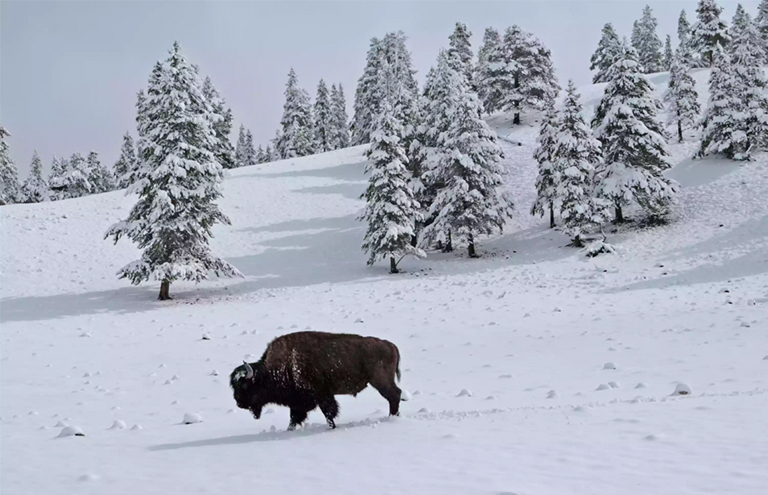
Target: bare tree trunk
(471,247)
(577,242)
(448,244)
(393,265)
(165,287)
(680,130)
(619,215)
(551,216)
(516,120)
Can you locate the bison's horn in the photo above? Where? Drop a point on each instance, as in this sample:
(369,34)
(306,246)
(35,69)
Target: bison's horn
(248,371)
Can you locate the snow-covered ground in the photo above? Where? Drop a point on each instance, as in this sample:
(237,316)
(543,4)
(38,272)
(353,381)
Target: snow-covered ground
(571,364)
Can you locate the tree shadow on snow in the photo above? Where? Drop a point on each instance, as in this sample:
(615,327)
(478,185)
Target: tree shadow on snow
(348,171)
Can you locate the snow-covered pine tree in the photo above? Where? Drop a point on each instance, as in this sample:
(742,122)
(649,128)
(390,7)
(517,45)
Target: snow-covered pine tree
(261,157)
(633,142)
(487,57)
(647,43)
(101,178)
(736,120)
(761,22)
(684,49)
(323,119)
(471,201)
(681,98)
(58,169)
(72,178)
(222,125)
(391,209)
(249,151)
(548,177)
(35,188)
(271,156)
(126,164)
(387,59)
(605,55)
(669,55)
(175,213)
(462,47)
(296,124)
(576,156)
(709,35)
(340,125)
(10,189)
(240,155)
(527,77)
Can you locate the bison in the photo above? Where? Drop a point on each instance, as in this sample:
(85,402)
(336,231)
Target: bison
(304,370)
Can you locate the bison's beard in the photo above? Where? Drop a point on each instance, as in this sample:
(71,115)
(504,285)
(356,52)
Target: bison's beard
(256,411)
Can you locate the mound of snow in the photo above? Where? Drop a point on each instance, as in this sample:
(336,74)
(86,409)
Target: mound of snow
(71,431)
(192,418)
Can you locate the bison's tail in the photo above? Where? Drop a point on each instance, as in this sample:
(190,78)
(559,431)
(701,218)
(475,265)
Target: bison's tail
(397,365)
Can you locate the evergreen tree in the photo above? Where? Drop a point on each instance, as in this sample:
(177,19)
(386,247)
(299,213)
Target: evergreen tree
(100,177)
(175,213)
(296,124)
(35,188)
(58,169)
(668,54)
(324,135)
(10,189)
(72,178)
(605,55)
(709,34)
(647,43)
(127,164)
(241,157)
(684,49)
(576,155)
(270,154)
(391,209)
(761,22)
(736,119)
(487,57)
(681,98)
(250,151)
(547,180)
(339,127)
(461,46)
(222,125)
(526,77)
(471,201)
(633,142)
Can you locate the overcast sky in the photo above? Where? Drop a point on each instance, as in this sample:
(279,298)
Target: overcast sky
(70,70)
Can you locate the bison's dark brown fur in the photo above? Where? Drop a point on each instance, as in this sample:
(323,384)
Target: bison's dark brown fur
(304,370)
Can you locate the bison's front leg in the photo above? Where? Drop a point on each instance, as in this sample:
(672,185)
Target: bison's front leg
(298,416)
(330,409)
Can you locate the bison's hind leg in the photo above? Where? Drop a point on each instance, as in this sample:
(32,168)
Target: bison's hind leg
(392,393)
(298,416)
(330,408)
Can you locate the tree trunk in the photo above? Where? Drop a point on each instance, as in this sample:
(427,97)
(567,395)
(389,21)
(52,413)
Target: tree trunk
(165,287)
(577,242)
(680,130)
(448,244)
(551,216)
(516,121)
(619,215)
(393,265)
(711,58)
(471,247)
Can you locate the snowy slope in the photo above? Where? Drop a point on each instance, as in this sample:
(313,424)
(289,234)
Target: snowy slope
(527,330)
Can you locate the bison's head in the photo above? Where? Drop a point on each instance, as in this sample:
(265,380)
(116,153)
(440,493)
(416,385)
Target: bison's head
(243,381)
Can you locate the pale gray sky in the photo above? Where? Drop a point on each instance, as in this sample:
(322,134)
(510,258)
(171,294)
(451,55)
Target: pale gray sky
(70,70)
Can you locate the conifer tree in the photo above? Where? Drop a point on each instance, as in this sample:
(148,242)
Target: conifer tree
(100,177)
(127,164)
(576,156)
(548,177)
(10,189)
(179,183)
(58,169)
(761,22)
(222,125)
(72,178)
(470,202)
(647,43)
(487,58)
(709,34)
(391,209)
(249,152)
(340,126)
(270,154)
(295,138)
(260,156)
(724,119)
(35,188)
(241,157)
(462,47)
(668,54)
(633,142)
(605,55)
(324,135)
(684,49)
(681,98)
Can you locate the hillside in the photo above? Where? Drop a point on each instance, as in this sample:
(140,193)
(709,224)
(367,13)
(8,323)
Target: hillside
(532,370)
